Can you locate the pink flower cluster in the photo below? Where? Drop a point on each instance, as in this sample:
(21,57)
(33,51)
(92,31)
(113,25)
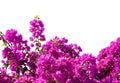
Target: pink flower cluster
(55,61)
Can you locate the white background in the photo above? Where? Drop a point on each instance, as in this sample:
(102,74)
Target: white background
(92,24)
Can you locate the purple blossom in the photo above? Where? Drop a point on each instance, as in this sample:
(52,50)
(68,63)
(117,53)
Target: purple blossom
(55,61)
(37,28)
(12,36)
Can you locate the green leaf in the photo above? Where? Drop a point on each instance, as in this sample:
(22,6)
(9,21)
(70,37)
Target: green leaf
(37,17)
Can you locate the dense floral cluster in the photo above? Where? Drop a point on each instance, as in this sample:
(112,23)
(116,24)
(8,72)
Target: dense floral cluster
(55,61)
(109,62)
